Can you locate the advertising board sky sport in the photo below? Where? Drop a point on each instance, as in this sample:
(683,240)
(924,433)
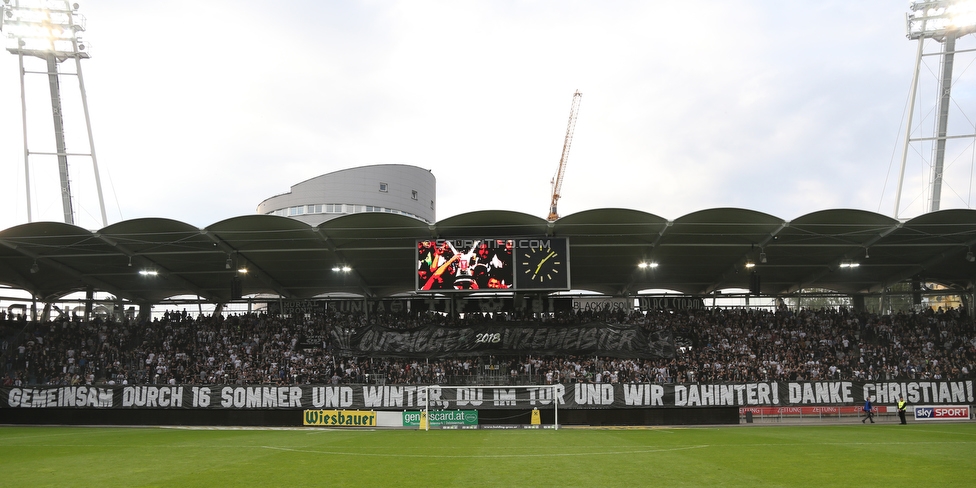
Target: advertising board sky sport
(934,399)
(929,412)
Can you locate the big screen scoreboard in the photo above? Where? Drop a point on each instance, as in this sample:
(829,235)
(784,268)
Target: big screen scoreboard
(493,264)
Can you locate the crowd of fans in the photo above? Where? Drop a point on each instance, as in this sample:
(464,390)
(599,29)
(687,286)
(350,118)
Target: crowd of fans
(711,345)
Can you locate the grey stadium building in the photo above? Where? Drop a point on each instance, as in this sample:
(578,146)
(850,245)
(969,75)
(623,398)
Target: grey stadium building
(388,188)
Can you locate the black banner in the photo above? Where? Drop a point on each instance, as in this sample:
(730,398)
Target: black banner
(461,304)
(504,338)
(465,304)
(671,303)
(318,307)
(572,396)
(520,303)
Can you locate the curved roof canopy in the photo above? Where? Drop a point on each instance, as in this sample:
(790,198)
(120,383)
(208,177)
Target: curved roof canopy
(696,254)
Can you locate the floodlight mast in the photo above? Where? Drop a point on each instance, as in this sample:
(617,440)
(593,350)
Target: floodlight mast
(48,30)
(943,21)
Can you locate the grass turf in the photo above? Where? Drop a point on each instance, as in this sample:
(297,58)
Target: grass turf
(755,456)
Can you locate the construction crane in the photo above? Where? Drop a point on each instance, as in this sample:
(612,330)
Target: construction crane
(557,181)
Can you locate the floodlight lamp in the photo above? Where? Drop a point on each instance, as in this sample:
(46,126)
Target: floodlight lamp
(961,14)
(750,264)
(148,272)
(42,27)
(242,270)
(935,19)
(762,257)
(229,263)
(346,269)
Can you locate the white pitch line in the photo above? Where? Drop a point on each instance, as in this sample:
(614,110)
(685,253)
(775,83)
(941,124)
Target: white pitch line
(588,453)
(472,456)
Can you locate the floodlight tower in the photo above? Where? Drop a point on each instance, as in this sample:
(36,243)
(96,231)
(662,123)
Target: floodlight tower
(49,30)
(943,21)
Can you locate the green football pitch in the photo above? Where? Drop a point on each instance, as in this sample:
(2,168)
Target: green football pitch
(819,455)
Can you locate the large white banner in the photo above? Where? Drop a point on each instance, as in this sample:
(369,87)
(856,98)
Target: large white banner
(930,397)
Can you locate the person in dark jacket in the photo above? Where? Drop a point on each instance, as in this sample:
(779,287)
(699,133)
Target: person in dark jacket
(868,411)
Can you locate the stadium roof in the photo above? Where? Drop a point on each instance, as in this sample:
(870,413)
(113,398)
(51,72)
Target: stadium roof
(697,254)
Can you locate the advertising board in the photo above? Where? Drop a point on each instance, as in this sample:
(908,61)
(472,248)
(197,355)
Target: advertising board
(942,412)
(440,418)
(340,418)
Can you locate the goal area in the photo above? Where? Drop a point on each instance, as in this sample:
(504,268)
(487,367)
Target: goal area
(491,407)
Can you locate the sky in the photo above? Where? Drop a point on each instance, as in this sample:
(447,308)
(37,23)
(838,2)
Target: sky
(200,110)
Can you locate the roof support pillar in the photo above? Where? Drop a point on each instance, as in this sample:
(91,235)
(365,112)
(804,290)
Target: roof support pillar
(145,312)
(89,302)
(969,300)
(119,310)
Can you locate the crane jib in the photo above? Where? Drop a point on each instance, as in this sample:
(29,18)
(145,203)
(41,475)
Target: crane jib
(557,180)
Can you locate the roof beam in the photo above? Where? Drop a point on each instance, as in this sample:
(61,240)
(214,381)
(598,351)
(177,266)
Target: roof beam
(660,235)
(626,289)
(740,263)
(162,271)
(811,280)
(360,282)
(261,274)
(902,275)
(88,280)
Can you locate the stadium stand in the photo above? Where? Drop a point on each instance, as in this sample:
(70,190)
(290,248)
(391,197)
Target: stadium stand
(713,345)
